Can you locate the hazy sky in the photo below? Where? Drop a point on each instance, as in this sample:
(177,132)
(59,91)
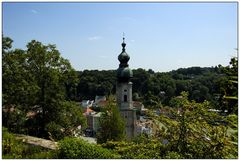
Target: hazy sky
(159,36)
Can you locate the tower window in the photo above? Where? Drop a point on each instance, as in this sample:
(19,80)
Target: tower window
(125,98)
(125,90)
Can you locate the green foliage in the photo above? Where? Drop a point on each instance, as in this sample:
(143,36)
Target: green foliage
(112,126)
(12,148)
(229,99)
(15,149)
(66,123)
(192,132)
(95,82)
(143,148)
(42,154)
(6,43)
(75,148)
(197,133)
(156,89)
(232,121)
(39,80)
(14,119)
(55,131)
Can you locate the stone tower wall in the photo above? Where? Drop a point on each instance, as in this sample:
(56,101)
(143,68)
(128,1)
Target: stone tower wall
(124,90)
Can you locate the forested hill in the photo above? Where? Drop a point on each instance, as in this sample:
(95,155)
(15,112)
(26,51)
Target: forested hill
(157,88)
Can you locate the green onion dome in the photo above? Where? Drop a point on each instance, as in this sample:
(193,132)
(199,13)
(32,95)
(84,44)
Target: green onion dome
(124,73)
(123,57)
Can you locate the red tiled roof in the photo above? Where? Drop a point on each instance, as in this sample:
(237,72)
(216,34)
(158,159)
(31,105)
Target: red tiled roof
(87,110)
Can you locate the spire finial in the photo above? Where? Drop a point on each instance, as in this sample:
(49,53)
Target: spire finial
(123,43)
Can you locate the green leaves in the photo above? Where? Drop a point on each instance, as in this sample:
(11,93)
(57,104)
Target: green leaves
(6,44)
(39,80)
(198,133)
(75,148)
(14,148)
(112,126)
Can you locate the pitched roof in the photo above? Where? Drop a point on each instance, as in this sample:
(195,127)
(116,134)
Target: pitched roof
(87,110)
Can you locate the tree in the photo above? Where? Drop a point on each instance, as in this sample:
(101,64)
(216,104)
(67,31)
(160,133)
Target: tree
(6,44)
(18,88)
(229,99)
(50,73)
(67,122)
(39,80)
(196,132)
(112,126)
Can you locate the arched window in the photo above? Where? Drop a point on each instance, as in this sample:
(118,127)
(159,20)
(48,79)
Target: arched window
(125,98)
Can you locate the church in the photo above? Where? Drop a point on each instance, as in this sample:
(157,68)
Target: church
(124,93)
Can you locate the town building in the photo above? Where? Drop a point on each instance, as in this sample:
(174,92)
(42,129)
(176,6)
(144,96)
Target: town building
(100,99)
(86,104)
(93,119)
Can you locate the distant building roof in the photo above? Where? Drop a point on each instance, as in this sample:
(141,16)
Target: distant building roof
(88,110)
(100,98)
(11,109)
(86,103)
(137,104)
(102,103)
(31,114)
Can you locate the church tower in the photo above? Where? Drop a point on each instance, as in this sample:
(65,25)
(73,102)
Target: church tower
(124,93)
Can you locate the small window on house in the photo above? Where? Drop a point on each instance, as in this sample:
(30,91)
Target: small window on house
(125,90)
(125,98)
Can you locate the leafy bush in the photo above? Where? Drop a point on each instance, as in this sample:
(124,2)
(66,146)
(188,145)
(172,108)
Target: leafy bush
(14,118)
(173,155)
(141,150)
(67,121)
(232,121)
(75,148)
(112,125)
(16,149)
(43,154)
(55,130)
(12,148)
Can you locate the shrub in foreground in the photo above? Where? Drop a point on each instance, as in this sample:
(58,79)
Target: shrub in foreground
(15,149)
(75,148)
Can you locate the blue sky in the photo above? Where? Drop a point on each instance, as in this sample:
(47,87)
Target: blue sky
(159,36)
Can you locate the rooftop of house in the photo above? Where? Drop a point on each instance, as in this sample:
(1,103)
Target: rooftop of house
(98,98)
(137,104)
(87,111)
(102,103)
(31,114)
